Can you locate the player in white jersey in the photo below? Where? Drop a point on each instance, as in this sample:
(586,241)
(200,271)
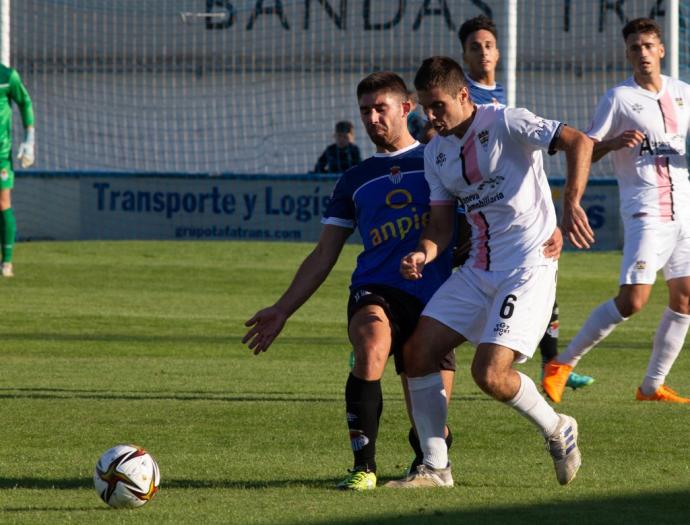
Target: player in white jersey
(643,123)
(490,158)
(480,53)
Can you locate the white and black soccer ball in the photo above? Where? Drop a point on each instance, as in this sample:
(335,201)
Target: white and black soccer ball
(126,476)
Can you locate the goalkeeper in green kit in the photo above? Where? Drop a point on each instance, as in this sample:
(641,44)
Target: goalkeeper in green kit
(12,90)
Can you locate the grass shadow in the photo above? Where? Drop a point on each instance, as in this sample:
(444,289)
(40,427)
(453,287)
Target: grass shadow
(240,484)
(645,508)
(63,393)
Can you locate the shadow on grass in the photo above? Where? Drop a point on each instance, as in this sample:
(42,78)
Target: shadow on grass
(96,507)
(644,508)
(64,393)
(278,397)
(87,483)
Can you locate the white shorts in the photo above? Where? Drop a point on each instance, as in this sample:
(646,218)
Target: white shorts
(511,308)
(650,247)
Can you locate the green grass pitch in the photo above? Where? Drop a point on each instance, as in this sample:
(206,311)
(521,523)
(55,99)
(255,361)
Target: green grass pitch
(103,343)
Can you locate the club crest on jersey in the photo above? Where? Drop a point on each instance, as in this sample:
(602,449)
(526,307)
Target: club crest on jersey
(440,159)
(4,175)
(637,108)
(679,102)
(483,137)
(395,176)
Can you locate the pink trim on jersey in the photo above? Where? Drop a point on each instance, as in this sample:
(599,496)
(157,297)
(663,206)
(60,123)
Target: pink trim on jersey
(665,196)
(481,258)
(471,164)
(668,110)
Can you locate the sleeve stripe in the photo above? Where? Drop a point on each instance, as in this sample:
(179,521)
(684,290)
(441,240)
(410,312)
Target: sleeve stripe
(334,221)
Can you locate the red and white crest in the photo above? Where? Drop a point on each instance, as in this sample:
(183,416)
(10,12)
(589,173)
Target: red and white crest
(395,175)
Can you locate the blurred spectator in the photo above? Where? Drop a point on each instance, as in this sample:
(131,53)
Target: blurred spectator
(341,155)
(417,123)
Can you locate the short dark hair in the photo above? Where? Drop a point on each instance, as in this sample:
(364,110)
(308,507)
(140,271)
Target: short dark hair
(440,72)
(641,25)
(344,126)
(476,24)
(382,81)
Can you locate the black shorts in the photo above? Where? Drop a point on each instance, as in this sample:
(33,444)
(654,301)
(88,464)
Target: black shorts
(403,311)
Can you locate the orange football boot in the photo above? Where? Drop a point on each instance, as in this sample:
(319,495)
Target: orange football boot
(663,393)
(555,377)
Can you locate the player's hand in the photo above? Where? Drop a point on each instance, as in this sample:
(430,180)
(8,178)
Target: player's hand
(554,245)
(412,264)
(26,154)
(576,226)
(264,328)
(627,139)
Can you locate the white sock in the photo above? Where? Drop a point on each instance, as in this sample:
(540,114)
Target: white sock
(430,410)
(600,323)
(668,342)
(529,402)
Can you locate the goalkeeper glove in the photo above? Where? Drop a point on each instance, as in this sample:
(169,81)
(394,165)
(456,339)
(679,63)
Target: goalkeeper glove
(26,149)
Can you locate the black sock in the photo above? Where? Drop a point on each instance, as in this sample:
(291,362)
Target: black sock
(549,343)
(449,438)
(413,439)
(363,403)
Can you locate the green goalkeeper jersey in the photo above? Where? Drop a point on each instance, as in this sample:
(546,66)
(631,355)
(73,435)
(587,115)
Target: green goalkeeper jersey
(12,90)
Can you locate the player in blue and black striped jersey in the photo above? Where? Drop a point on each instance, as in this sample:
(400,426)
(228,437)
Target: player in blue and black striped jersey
(385,198)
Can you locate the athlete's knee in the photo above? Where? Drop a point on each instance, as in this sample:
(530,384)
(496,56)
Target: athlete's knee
(370,361)
(489,377)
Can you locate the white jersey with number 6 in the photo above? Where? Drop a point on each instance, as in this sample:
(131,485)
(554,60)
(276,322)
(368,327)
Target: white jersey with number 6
(496,171)
(653,176)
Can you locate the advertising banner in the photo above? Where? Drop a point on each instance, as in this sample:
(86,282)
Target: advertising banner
(114,206)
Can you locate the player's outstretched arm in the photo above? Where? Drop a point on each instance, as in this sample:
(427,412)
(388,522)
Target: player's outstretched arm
(266,324)
(628,139)
(578,153)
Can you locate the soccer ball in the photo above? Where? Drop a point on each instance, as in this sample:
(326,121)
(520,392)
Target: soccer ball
(126,476)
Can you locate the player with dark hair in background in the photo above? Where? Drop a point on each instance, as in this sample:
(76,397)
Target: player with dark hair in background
(480,52)
(12,90)
(643,123)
